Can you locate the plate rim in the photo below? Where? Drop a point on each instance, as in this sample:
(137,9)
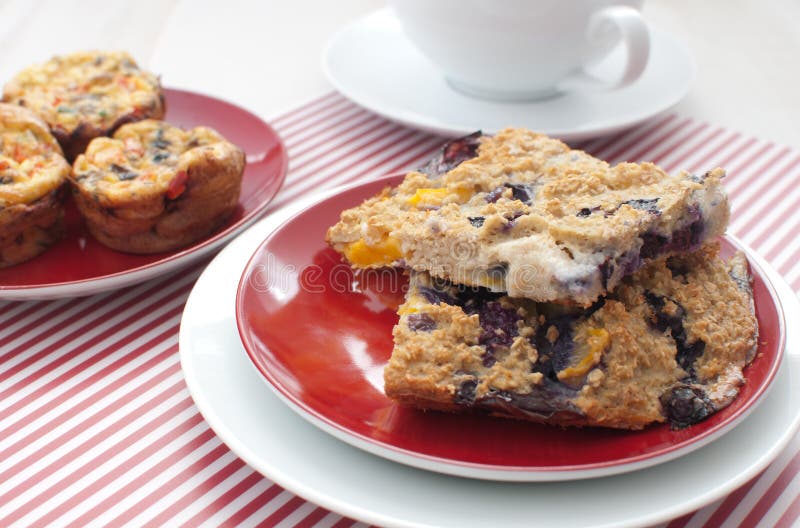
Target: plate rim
(173,261)
(409,117)
(493,471)
(328,498)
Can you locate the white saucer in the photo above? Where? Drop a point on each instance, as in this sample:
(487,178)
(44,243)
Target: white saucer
(242,409)
(371,62)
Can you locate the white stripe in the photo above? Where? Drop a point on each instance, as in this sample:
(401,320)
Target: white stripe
(322,133)
(45,372)
(242,500)
(65,467)
(296,516)
(634,139)
(310,162)
(111,465)
(390,151)
(89,398)
(702,515)
(43,459)
(794,273)
(329,520)
(747,175)
(763,483)
(703,160)
(631,137)
(297,134)
(333,140)
(734,169)
(52,317)
(674,141)
(166,497)
(191,485)
(703,142)
(268,509)
(10,309)
(100,308)
(754,200)
(781,504)
(781,260)
(303,111)
(780,214)
(321,111)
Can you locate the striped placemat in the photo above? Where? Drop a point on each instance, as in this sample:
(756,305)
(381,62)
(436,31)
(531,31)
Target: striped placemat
(97,427)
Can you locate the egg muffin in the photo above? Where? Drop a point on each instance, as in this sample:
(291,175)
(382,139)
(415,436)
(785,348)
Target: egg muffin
(86,95)
(154,187)
(32,174)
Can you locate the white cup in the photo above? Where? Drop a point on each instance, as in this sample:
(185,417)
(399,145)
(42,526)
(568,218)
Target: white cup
(514,50)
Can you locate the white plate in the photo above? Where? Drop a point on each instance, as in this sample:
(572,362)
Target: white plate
(242,409)
(372,62)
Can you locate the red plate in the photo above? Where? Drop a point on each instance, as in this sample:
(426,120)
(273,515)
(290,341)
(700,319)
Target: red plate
(322,345)
(78,265)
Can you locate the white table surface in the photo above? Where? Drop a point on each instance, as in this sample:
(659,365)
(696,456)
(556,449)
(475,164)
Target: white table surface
(265,54)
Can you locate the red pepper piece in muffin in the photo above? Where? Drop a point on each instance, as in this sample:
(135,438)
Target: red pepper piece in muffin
(32,174)
(154,187)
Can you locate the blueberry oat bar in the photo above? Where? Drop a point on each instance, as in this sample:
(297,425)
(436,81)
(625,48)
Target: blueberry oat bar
(667,345)
(521,213)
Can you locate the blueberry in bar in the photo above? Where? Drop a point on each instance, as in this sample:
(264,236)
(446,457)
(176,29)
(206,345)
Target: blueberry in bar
(32,173)
(522,213)
(85,95)
(667,346)
(154,187)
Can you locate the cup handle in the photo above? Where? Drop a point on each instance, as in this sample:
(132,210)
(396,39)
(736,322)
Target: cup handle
(635,37)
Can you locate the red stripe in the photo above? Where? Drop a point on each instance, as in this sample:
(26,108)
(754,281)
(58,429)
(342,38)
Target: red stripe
(755,180)
(699,144)
(80,320)
(300,183)
(344,522)
(675,142)
(790,516)
(680,522)
(228,497)
(56,422)
(312,518)
(344,151)
(292,137)
(706,159)
(635,137)
(337,132)
(136,459)
(730,503)
(32,307)
(645,143)
(747,162)
(398,167)
(83,386)
(729,158)
(253,506)
(165,486)
(789,262)
(46,495)
(295,116)
(95,418)
(284,511)
(194,495)
(779,198)
(129,324)
(36,323)
(364,170)
(773,492)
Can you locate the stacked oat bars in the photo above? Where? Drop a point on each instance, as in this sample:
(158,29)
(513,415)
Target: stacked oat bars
(547,285)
